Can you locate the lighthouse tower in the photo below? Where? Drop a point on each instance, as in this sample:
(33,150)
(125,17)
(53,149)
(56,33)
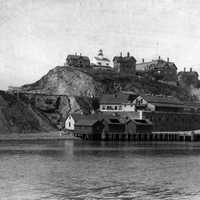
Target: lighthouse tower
(100,60)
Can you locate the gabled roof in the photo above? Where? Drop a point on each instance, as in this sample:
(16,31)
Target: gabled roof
(161,99)
(129,115)
(123,59)
(158,63)
(115,99)
(86,122)
(142,66)
(144,122)
(77,116)
(76,57)
(114,119)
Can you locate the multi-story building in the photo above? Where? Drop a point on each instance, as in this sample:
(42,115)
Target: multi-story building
(77,61)
(187,78)
(126,64)
(160,69)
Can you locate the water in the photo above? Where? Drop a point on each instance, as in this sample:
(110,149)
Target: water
(88,170)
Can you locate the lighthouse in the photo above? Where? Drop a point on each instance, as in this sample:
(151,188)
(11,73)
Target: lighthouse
(100,60)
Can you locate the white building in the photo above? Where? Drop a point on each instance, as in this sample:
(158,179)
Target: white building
(100,60)
(116,103)
(71,120)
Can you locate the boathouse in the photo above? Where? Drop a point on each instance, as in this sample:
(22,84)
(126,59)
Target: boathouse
(88,129)
(114,128)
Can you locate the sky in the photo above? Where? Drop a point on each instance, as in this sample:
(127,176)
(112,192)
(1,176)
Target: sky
(37,35)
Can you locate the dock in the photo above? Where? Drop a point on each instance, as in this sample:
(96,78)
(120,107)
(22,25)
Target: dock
(176,136)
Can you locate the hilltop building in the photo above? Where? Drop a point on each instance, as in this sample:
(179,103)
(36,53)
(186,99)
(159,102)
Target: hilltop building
(160,69)
(126,64)
(101,62)
(77,61)
(187,78)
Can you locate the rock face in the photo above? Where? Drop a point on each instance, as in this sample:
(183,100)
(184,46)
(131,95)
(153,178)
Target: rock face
(17,116)
(65,81)
(56,108)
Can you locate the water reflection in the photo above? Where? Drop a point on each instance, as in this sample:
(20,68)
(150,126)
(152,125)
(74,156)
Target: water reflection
(102,170)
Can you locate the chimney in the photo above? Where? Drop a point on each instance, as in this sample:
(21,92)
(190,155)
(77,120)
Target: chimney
(80,54)
(184,69)
(120,54)
(143,60)
(167,59)
(158,57)
(128,54)
(190,69)
(75,53)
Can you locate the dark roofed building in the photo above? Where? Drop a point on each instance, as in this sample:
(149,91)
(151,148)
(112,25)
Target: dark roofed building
(88,127)
(114,125)
(126,64)
(139,126)
(78,61)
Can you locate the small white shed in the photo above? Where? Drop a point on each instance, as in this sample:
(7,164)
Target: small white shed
(71,120)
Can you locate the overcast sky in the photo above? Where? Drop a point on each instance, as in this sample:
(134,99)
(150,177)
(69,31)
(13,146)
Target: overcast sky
(37,35)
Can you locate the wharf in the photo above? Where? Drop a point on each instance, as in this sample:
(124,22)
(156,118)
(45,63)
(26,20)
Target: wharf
(174,136)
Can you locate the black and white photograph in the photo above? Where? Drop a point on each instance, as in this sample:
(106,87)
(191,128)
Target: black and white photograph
(99,100)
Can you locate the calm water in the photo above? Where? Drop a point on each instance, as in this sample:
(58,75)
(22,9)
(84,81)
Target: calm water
(79,170)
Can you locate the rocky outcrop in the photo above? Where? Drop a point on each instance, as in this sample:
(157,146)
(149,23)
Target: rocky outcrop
(56,108)
(65,81)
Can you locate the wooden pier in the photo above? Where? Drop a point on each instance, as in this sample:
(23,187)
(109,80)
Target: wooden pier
(178,136)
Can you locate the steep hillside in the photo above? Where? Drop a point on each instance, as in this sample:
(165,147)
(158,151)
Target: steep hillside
(17,116)
(89,83)
(56,108)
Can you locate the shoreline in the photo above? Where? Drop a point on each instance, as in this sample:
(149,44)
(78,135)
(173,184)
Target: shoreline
(59,135)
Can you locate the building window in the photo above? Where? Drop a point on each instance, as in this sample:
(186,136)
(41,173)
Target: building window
(115,107)
(99,63)
(69,124)
(103,108)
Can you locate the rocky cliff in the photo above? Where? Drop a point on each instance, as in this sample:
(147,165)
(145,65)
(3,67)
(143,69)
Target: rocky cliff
(65,81)
(77,82)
